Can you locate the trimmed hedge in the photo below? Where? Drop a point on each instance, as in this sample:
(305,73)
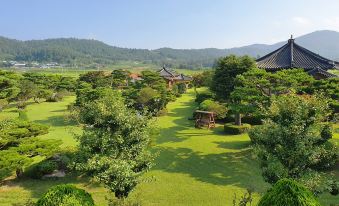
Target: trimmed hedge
(38,170)
(288,192)
(230,128)
(65,195)
(203,96)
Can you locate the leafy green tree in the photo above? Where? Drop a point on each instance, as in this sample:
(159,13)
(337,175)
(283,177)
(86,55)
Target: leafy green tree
(28,90)
(288,192)
(9,87)
(226,70)
(220,110)
(119,78)
(19,144)
(255,88)
(203,79)
(115,142)
(96,79)
(294,140)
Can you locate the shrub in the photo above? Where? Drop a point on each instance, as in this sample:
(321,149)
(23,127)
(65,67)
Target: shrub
(211,106)
(203,96)
(56,97)
(66,195)
(40,169)
(288,192)
(230,128)
(181,88)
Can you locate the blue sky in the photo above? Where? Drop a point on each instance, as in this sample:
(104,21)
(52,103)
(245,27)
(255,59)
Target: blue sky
(168,23)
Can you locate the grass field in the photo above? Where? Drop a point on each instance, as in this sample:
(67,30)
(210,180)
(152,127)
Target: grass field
(193,166)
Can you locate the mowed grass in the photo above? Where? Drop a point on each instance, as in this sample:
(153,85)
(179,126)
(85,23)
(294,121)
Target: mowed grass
(193,166)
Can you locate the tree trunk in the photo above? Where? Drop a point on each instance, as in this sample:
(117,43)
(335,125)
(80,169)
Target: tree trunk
(238,119)
(19,172)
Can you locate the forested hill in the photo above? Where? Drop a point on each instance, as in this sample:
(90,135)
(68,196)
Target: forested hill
(82,51)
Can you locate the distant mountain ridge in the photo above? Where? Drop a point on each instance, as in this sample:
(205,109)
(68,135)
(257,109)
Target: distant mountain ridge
(83,51)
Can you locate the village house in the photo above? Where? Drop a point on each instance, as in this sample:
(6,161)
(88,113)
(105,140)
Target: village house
(172,78)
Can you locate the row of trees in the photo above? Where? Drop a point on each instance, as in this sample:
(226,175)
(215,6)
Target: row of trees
(148,94)
(19,88)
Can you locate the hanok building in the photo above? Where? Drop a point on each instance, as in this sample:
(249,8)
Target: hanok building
(291,55)
(172,78)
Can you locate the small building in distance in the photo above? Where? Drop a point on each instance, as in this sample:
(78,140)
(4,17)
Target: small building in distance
(291,55)
(172,78)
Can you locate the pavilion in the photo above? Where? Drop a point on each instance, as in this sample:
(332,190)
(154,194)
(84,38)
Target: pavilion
(291,55)
(171,77)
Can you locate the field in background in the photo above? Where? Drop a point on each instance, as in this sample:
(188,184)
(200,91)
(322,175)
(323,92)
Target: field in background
(134,67)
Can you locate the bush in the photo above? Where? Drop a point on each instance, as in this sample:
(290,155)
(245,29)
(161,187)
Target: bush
(288,192)
(66,195)
(211,106)
(203,96)
(38,170)
(230,128)
(252,120)
(56,97)
(181,88)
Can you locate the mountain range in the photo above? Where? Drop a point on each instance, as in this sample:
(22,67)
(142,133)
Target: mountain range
(84,52)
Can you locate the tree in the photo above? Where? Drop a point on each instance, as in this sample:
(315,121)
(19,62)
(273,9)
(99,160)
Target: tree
(19,144)
(28,90)
(294,139)
(96,79)
(255,87)
(119,77)
(115,142)
(219,110)
(288,192)
(9,87)
(203,79)
(226,70)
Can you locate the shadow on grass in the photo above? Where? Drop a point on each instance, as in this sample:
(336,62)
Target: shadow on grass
(181,115)
(38,187)
(56,121)
(229,168)
(237,145)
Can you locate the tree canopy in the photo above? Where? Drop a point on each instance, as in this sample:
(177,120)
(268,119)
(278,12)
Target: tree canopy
(115,142)
(19,144)
(294,139)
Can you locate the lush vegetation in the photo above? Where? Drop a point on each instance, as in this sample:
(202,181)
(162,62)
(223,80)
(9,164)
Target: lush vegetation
(116,147)
(288,192)
(65,195)
(193,167)
(19,144)
(294,141)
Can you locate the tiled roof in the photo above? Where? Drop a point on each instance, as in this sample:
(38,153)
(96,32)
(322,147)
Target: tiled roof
(291,55)
(321,72)
(183,78)
(165,72)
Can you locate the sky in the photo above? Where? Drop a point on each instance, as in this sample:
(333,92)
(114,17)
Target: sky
(152,24)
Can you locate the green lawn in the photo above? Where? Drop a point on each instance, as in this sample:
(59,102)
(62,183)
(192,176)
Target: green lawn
(193,166)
